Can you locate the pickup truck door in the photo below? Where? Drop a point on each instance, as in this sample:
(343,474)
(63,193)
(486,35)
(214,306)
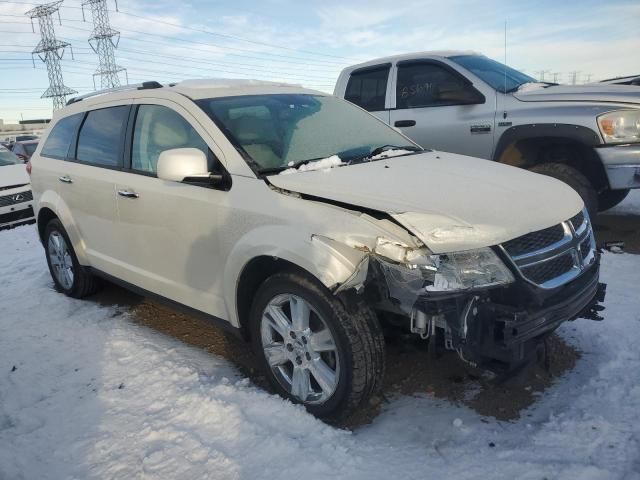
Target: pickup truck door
(439,108)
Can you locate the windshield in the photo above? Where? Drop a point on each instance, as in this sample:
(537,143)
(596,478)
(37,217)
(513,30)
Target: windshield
(502,78)
(283,130)
(8,158)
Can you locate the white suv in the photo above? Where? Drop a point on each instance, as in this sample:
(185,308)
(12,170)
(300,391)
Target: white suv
(305,224)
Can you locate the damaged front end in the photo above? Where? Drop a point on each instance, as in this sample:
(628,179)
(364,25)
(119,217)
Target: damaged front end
(484,303)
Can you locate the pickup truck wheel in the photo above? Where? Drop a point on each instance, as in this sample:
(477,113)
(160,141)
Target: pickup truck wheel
(68,275)
(312,349)
(610,198)
(574,179)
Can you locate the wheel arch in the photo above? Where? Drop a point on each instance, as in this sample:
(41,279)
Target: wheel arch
(328,262)
(533,144)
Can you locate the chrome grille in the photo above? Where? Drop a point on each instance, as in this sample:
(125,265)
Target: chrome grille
(15,198)
(556,255)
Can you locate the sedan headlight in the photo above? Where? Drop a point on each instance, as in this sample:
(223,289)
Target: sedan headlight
(622,126)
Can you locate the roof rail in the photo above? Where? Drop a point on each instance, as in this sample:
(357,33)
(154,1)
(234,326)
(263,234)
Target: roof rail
(136,86)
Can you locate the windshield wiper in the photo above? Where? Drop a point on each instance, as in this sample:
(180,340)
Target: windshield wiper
(382,149)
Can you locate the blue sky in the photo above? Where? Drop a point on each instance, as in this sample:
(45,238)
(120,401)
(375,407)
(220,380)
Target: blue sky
(310,42)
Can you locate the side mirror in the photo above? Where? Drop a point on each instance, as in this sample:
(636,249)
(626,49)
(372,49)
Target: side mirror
(179,163)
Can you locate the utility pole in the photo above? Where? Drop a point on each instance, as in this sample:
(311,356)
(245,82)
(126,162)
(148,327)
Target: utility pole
(50,50)
(574,77)
(541,74)
(556,76)
(588,77)
(104,40)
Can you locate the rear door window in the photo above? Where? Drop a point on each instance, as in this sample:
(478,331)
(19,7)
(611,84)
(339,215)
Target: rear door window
(61,137)
(368,88)
(101,136)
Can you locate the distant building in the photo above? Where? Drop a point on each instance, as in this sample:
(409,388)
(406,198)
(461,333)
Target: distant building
(36,126)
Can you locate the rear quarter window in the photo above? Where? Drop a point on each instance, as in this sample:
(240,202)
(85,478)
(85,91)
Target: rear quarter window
(368,88)
(61,136)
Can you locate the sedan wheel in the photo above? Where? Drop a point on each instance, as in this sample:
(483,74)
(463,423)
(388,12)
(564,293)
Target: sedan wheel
(300,349)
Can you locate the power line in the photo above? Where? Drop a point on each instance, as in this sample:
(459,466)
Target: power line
(210,32)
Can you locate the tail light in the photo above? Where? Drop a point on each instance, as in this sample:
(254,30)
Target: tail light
(28,167)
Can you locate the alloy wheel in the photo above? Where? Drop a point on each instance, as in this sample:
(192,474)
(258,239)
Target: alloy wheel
(60,259)
(300,349)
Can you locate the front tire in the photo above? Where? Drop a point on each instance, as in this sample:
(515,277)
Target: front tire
(575,180)
(314,349)
(610,198)
(68,275)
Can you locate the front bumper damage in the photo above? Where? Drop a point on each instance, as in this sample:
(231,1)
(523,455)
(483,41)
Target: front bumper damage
(498,329)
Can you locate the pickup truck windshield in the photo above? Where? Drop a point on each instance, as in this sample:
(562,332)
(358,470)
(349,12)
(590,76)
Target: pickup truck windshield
(278,131)
(502,78)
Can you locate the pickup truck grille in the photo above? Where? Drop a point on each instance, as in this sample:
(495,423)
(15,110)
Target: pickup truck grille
(556,255)
(15,198)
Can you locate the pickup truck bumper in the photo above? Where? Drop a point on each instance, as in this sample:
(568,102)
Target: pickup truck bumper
(622,164)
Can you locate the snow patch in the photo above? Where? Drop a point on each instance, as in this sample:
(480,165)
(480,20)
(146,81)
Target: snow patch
(324,165)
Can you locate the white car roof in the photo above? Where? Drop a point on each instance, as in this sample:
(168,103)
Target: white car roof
(195,89)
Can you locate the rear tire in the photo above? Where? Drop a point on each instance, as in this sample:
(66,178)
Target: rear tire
(337,355)
(574,179)
(68,275)
(610,198)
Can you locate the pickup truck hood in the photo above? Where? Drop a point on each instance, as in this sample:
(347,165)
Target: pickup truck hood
(581,93)
(450,202)
(13,175)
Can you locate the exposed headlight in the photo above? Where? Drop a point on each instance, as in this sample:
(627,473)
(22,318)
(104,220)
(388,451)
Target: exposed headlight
(423,272)
(622,126)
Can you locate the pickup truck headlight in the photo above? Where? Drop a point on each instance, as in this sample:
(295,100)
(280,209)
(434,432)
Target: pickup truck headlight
(622,126)
(425,272)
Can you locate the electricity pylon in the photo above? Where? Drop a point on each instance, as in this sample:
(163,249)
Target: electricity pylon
(104,40)
(50,50)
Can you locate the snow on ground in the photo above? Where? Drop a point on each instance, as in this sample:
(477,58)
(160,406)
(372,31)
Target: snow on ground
(93,395)
(629,206)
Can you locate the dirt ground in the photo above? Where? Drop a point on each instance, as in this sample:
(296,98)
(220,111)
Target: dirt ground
(411,369)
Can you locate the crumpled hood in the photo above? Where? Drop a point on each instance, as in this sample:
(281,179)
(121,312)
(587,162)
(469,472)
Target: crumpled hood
(450,202)
(581,93)
(13,175)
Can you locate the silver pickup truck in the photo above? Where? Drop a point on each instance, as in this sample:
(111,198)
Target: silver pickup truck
(587,136)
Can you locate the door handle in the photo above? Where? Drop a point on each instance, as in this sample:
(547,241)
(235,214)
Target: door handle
(65,179)
(127,194)
(405,123)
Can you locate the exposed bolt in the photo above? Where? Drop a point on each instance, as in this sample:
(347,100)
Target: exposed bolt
(292,334)
(308,356)
(289,347)
(298,360)
(304,340)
